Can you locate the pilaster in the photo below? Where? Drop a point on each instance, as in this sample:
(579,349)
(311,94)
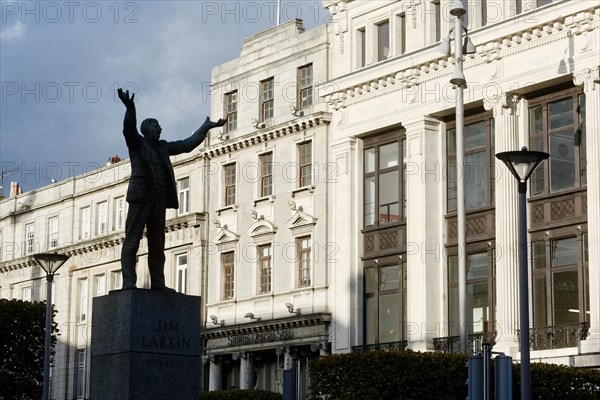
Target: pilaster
(590,79)
(505,108)
(423,241)
(215,375)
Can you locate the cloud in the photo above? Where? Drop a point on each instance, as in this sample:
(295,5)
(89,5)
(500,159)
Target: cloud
(13,32)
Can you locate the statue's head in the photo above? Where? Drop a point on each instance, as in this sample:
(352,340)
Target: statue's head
(151,129)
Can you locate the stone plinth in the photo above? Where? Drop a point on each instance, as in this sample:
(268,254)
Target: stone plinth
(145,346)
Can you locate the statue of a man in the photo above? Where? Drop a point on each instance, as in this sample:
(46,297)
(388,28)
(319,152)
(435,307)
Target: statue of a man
(152,189)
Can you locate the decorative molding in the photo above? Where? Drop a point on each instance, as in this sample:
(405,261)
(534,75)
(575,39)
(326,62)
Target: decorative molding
(501,103)
(588,77)
(492,51)
(262,227)
(275,132)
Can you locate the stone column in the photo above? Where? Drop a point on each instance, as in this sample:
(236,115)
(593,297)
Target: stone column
(215,375)
(590,78)
(424,241)
(246,371)
(507,217)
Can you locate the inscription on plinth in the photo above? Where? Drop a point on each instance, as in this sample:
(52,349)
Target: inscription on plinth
(145,345)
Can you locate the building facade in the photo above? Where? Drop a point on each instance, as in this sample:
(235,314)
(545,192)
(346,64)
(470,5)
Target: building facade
(323,217)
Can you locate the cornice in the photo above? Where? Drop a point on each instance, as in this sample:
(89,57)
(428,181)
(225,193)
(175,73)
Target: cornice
(267,134)
(106,241)
(497,49)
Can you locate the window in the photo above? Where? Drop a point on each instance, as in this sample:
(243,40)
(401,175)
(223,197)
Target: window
(182,264)
(305,158)
(99,285)
(84,232)
(102,221)
(541,3)
(231,100)
(479,298)
(303,246)
(385,303)
(119,210)
(361,47)
(228,274)
(305,86)
(184,195)
(518,6)
(264,267)
(80,389)
(483,9)
(29,238)
(478,170)
(266,99)
(26,293)
(557,126)
(230,180)
(266,174)
(384,183)
(116,280)
(383,40)
(83,299)
(52,232)
(560,281)
(401,33)
(437,19)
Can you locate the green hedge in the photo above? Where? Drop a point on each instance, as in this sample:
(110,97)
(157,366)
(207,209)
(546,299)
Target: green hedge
(246,394)
(383,375)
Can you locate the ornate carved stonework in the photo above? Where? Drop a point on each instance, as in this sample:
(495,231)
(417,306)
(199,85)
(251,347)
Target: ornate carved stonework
(537,214)
(388,241)
(475,225)
(369,243)
(562,209)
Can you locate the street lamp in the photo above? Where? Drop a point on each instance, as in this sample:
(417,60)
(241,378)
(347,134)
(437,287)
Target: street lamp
(50,263)
(457,9)
(522,164)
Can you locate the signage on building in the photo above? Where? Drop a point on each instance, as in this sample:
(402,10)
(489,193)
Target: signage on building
(260,337)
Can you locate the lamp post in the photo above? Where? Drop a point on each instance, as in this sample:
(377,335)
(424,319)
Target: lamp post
(50,263)
(457,9)
(522,164)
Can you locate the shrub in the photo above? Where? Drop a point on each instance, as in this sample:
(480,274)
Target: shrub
(245,394)
(399,374)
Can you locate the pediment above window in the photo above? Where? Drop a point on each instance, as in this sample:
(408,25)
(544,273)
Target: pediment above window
(225,236)
(262,227)
(300,220)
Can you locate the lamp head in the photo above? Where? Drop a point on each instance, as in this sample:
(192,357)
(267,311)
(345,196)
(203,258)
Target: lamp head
(522,163)
(50,262)
(457,8)
(444,46)
(458,78)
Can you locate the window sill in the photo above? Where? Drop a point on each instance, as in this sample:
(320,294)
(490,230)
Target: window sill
(270,198)
(310,189)
(233,207)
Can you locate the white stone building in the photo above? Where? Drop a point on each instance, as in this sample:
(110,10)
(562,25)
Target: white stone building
(323,218)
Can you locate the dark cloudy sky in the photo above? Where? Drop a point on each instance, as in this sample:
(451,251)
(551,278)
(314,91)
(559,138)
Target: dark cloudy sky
(62,61)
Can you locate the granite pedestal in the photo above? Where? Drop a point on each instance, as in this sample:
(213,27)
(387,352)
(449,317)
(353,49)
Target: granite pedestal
(145,346)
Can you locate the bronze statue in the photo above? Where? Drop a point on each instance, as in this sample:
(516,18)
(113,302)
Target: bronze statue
(152,189)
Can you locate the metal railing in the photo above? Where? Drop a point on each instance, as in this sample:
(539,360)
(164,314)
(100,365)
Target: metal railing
(557,336)
(401,345)
(451,344)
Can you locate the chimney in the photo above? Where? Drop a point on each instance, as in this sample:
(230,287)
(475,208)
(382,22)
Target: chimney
(15,189)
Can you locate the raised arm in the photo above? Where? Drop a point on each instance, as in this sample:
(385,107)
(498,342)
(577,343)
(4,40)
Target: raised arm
(189,144)
(132,137)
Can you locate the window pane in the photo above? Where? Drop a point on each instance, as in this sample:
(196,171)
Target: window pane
(475,136)
(564,252)
(388,155)
(561,113)
(371,319)
(536,120)
(540,317)
(453,269)
(537,177)
(582,140)
(452,186)
(370,280)
(566,298)
(369,160)
(390,278)
(388,197)
(453,323)
(451,142)
(562,161)
(477,265)
(383,41)
(389,312)
(538,254)
(476,181)
(477,304)
(586,254)
(369,201)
